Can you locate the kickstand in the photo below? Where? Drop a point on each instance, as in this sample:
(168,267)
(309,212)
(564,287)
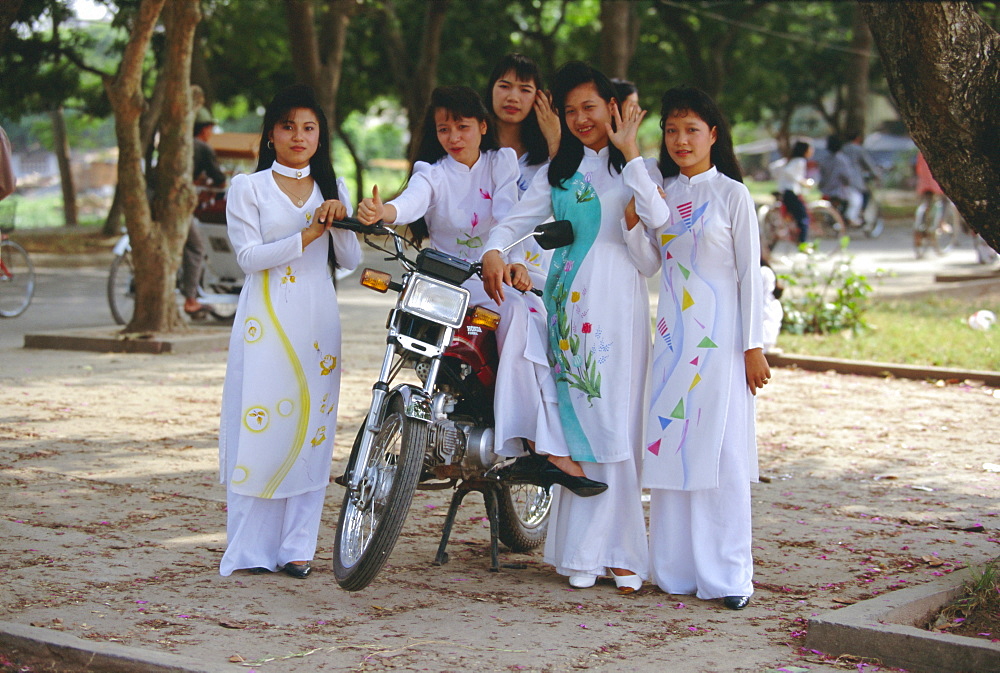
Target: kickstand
(449,521)
(489,491)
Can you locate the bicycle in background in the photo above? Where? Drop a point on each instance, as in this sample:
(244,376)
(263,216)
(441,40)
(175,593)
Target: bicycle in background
(935,225)
(779,233)
(17,273)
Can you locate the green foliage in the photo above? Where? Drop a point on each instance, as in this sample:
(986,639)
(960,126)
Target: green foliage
(823,295)
(925,331)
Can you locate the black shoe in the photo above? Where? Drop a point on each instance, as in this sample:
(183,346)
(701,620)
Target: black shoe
(299,571)
(525,470)
(736,602)
(259,571)
(581,486)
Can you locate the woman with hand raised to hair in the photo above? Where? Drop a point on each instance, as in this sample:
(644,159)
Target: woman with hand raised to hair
(598,322)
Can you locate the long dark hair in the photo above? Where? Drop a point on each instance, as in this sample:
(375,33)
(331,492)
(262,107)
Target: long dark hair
(567,159)
(687,100)
(320,165)
(459,101)
(799,150)
(525,70)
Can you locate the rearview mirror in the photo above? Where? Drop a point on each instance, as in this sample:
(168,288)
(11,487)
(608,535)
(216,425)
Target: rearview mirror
(551,235)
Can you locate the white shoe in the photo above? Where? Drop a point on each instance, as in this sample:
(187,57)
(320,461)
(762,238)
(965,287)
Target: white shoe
(582,581)
(627,583)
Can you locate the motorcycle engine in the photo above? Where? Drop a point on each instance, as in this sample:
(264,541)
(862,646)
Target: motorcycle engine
(459,443)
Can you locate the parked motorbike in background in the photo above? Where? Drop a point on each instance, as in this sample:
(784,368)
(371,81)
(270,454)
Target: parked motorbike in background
(434,432)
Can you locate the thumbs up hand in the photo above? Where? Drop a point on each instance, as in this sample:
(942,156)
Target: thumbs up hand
(371,210)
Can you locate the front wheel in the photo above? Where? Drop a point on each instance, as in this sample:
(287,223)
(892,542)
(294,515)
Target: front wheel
(17,279)
(372,515)
(121,288)
(826,227)
(523,516)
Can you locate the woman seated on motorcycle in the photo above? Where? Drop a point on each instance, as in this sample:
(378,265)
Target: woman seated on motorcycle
(461,184)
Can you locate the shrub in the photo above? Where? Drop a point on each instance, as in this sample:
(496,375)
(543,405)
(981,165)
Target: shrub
(823,294)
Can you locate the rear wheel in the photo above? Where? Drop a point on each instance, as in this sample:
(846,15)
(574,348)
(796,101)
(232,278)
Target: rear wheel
(372,515)
(773,228)
(874,223)
(17,279)
(523,516)
(946,230)
(121,288)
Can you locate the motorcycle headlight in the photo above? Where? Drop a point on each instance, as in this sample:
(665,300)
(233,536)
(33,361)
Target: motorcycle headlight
(436,300)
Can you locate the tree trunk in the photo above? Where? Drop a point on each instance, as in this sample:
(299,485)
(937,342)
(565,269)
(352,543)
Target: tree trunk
(359,164)
(942,65)
(65,166)
(857,83)
(617,37)
(317,64)
(415,84)
(8,12)
(174,198)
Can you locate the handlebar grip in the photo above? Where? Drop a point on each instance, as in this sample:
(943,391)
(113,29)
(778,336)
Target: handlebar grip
(352,224)
(536,291)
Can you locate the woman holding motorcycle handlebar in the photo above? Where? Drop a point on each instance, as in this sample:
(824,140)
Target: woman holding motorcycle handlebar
(598,330)
(279,400)
(462,183)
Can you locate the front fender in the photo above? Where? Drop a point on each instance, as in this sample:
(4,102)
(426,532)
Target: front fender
(416,405)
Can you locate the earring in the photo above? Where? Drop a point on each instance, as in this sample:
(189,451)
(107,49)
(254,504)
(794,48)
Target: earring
(270,145)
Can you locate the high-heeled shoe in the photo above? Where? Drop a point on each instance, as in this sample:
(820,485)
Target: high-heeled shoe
(627,583)
(582,581)
(540,471)
(581,486)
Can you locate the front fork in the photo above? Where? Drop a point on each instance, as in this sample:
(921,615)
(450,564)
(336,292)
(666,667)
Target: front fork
(417,406)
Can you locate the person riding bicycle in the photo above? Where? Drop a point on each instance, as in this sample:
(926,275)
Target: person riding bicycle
(863,167)
(836,183)
(790,174)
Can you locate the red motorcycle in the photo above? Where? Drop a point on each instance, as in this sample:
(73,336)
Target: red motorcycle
(435,432)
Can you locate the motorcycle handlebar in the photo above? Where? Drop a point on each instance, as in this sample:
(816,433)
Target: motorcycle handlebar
(355,225)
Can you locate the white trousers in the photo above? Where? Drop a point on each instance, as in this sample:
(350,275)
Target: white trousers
(855,201)
(700,541)
(525,403)
(268,533)
(588,535)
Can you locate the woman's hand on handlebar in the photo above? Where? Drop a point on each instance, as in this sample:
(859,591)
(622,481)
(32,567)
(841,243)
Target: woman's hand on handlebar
(327,212)
(495,274)
(519,278)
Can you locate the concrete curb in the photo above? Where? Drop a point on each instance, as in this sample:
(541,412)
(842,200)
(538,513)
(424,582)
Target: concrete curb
(112,340)
(864,368)
(883,629)
(72,654)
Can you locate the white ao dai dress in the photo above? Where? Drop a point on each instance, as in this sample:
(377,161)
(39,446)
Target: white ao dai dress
(701,452)
(598,338)
(279,401)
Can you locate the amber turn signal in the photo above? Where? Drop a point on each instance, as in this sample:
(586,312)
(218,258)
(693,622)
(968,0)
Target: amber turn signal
(485,318)
(376,280)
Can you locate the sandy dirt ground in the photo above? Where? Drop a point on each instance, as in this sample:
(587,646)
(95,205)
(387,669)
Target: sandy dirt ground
(113,526)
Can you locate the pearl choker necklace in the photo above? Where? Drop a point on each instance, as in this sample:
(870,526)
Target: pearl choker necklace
(294,173)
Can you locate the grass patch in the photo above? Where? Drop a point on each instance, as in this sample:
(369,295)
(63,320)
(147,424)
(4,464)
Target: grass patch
(930,331)
(977,612)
